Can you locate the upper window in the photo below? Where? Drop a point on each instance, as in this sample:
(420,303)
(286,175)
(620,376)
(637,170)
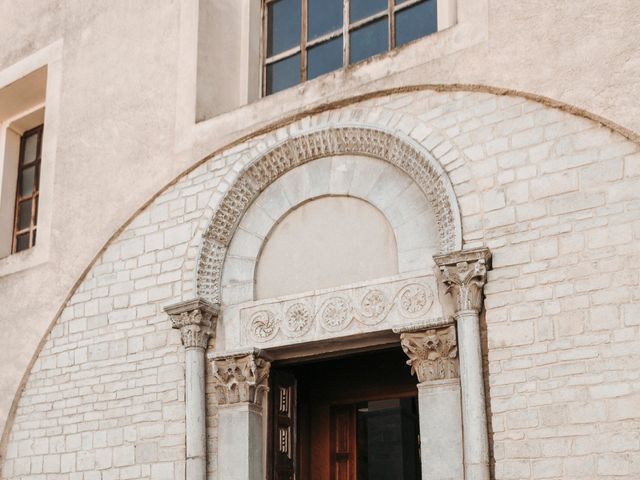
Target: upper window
(308,38)
(27,190)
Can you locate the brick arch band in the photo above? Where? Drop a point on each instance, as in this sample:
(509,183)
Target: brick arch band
(409,157)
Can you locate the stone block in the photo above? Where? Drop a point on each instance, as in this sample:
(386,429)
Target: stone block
(553,184)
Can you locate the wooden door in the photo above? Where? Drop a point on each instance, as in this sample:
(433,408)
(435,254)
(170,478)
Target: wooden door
(283,429)
(343,442)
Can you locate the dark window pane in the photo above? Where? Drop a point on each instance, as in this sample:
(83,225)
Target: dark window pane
(26,182)
(387,439)
(283,29)
(24,214)
(30,148)
(416,22)
(283,74)
(324,58)
(359,9)
(324,16)
(22,242)
(35,213)
(369,40)
(33,238)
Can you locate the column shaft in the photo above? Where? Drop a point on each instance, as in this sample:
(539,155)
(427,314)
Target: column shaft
(474,416)
(464,274)
(196,413)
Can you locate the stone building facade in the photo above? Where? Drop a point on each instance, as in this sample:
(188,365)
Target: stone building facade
(471,198)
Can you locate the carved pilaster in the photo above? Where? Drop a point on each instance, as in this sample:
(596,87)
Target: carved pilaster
(241,377)
(196,320)
(464,274)
(432,353)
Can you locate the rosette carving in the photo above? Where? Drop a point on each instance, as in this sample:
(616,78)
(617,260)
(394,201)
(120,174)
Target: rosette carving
(298,319)
(336,314)
(241,378)
(432,353)
(263,326)
(415,299)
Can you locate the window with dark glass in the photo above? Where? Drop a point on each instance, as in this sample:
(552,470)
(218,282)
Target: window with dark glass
(28,190)
(308,38)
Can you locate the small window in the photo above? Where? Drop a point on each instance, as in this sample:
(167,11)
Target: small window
(308,38)
(27,190)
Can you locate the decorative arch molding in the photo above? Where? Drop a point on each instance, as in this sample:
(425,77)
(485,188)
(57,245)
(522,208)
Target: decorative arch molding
(405,154)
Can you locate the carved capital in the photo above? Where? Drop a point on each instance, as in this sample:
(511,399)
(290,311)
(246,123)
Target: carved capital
(464,274)
(196,320)
(432,353)
(241,378)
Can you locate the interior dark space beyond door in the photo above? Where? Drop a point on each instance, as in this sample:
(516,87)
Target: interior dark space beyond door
(350,418)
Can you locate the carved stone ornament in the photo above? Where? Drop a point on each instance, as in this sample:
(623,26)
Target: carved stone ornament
(296,151)
(353,309)
(242,377)
(196,320)
(432,353)
(464,274)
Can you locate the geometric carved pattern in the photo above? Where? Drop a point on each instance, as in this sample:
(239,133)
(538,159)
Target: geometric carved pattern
(432,353)
(302,149)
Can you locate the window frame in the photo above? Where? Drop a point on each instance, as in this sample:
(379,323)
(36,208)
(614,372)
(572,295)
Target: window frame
(346,30)
(34,196)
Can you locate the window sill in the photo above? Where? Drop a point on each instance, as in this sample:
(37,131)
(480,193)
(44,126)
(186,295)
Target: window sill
(17,262)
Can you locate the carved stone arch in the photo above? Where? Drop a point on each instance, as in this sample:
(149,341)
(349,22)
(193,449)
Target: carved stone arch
(403,153)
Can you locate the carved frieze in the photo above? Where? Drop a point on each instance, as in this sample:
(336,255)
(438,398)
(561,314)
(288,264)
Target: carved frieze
(422,168)
(196,320)
(242,377)
(371,306)
(464,274)
(432,353)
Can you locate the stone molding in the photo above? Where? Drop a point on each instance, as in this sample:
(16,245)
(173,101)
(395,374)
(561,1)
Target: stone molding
(241,377)
(392,302)
(432,353)
(421,167)
(196,319)
(464,273)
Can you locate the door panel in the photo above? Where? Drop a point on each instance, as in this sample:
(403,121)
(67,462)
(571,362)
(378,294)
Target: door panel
(283,415)
(343,443)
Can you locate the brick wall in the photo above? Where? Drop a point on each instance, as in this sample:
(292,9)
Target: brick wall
(557,199)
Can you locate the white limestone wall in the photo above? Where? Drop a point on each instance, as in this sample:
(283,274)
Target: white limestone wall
(555,196)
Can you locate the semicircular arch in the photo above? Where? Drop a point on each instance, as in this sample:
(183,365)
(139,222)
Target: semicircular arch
(404,154)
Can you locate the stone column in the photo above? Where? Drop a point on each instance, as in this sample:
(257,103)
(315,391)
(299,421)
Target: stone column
(241,383)
(464,274)
(196,320)
(432,355)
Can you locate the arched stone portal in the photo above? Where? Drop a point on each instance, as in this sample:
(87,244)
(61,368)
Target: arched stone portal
(414,195)
(404,154)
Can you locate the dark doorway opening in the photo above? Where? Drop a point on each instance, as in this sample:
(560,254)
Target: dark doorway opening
(349,418)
